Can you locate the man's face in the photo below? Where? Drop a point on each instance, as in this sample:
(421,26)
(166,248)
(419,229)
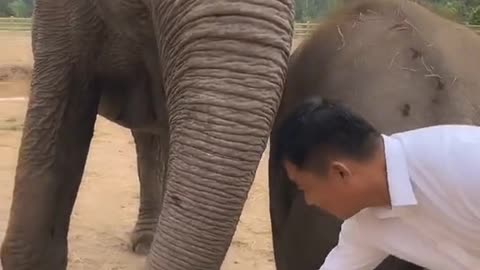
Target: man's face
(336,191)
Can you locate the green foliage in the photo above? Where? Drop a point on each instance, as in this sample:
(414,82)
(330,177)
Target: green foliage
(4,9)
(17,8)
(450,10)
(305,10)
(475,16)
(20,8)
(460,10)
(308,10)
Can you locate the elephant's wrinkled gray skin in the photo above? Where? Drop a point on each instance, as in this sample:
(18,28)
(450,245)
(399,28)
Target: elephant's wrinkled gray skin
(199,84)
(397,64)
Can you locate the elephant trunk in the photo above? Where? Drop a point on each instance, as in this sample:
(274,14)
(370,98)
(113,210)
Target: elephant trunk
(224,67)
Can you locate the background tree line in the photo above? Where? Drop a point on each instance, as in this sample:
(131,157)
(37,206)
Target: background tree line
(16,8)
(460,10)
(305,10)
(463,10)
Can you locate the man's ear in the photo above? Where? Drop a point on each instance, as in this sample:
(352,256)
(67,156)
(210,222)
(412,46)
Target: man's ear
(291,169)
(339,171)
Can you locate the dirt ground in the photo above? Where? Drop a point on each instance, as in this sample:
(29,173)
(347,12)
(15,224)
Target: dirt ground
(106,207)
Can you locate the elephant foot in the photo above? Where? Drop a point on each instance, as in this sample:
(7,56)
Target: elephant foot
(141,240)
(15,256)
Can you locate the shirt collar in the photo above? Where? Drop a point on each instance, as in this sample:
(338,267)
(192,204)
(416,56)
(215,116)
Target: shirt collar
(398,178)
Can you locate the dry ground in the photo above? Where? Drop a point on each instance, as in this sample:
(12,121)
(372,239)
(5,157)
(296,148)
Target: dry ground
(107,204)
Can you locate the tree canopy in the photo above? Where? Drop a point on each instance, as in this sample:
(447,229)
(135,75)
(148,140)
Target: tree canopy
(468,10)
(305,10)
(16,8)
(462,10)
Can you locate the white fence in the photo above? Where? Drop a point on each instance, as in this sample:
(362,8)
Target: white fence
(24,24)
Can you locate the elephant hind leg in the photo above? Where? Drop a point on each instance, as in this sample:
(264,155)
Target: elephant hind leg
(152,153)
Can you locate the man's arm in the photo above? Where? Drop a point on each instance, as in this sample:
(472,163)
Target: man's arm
(353,251)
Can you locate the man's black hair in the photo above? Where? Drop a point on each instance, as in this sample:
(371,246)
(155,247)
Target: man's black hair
(318,128)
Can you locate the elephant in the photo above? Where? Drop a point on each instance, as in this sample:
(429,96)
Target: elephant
(198,83)
(396,63)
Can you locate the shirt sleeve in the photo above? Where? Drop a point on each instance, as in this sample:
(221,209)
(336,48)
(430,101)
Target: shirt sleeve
(353,251)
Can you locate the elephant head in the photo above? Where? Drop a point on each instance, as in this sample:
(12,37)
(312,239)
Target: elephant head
(220,67)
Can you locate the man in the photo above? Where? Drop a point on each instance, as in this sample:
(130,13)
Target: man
(414,194)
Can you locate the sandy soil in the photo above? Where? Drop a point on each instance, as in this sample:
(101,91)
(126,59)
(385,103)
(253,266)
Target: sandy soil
(107,203)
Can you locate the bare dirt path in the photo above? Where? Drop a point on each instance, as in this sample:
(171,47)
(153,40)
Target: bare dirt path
(107,203)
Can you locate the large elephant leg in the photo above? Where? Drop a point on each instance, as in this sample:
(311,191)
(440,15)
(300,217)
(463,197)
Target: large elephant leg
(152,153)
(58,129)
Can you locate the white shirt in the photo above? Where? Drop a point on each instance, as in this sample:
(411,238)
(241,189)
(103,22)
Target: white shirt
(434,184)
